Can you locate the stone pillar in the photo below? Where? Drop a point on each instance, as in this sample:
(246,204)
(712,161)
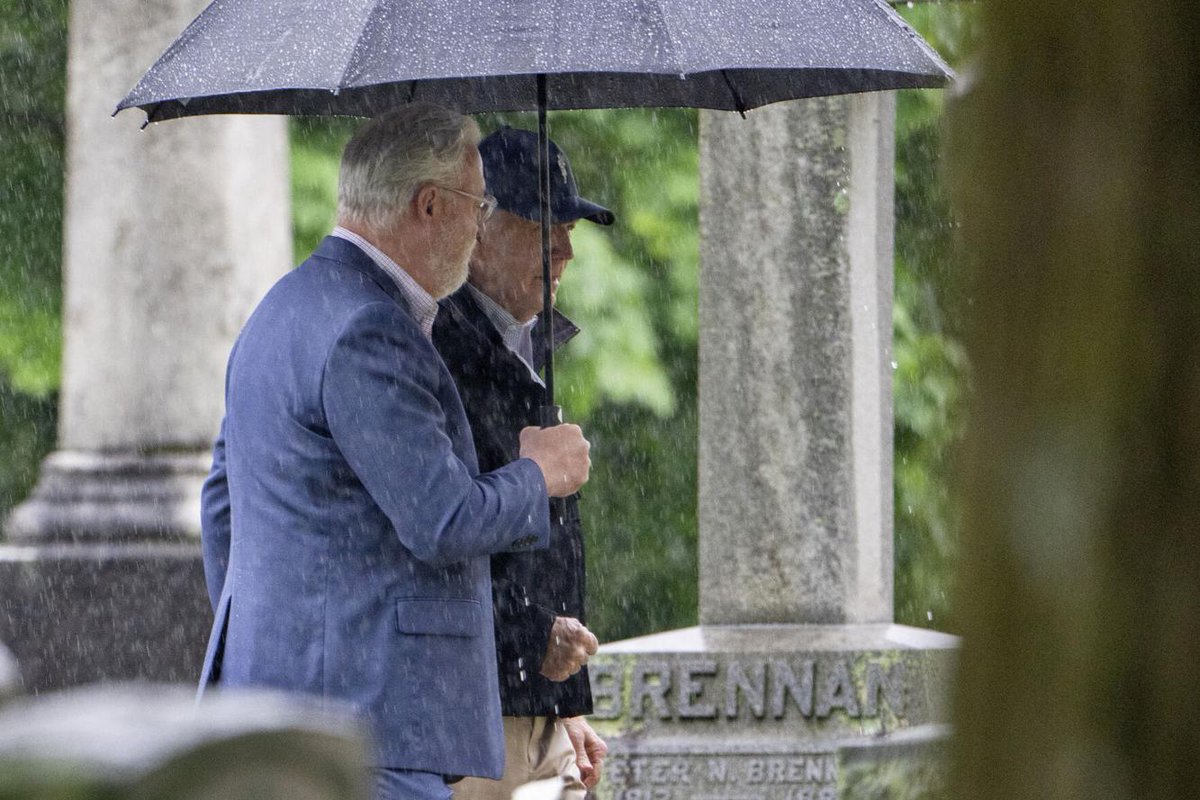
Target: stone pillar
(171,234)
(795,363)
(796,684)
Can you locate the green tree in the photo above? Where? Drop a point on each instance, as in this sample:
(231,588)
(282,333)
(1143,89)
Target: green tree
(931,376)
(33,42)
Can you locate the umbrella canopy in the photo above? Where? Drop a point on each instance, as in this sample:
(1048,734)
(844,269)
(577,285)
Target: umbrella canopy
(363,57)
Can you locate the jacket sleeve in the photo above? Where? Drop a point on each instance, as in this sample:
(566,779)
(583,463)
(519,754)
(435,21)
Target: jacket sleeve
(379,392)
(215,522)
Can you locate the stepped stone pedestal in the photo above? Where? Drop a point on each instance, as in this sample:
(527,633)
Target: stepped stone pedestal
(796,685)
(171,234)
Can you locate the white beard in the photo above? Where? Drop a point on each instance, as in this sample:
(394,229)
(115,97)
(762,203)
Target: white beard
(453,272)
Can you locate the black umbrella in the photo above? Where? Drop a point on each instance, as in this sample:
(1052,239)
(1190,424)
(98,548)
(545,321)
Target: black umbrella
(363,57)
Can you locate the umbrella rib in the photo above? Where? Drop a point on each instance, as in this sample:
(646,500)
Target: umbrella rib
(362,29)
(894,18)
(738,100)
(669,41)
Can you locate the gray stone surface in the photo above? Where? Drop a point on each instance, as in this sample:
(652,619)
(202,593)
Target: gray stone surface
(10,675)
(88,496)
(170,236)
(758,683)
(775,712)
(75,614)
(908,765)
(151,741)
(795,349)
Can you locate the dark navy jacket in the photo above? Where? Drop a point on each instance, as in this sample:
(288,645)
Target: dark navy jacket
(530,588)
(346,527)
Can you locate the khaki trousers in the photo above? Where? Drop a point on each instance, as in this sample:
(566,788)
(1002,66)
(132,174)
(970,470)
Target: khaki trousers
(535,748)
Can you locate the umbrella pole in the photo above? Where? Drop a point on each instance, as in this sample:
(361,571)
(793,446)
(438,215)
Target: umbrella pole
(551,414)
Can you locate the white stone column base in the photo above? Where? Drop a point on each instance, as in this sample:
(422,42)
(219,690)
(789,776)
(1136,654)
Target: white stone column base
(92,497)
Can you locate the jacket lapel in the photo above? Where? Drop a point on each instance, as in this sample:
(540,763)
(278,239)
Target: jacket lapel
(564,331)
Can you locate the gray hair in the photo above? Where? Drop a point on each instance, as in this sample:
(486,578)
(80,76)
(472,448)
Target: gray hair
(393,154)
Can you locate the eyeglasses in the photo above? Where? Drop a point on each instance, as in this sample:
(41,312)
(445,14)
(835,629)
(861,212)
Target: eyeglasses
(485,205)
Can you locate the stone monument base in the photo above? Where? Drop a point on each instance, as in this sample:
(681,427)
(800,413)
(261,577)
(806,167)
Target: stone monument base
(766,712)
(90,497)
(79,613)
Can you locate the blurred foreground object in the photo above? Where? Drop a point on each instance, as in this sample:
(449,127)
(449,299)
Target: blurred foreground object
(550,789)
(154,742)
(1077,167)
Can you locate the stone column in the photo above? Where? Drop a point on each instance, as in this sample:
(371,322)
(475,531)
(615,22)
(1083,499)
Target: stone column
(795,363)
(796,684)
(171,234)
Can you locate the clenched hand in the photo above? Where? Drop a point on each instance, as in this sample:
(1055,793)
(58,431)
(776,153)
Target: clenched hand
(570,645)
(562,454)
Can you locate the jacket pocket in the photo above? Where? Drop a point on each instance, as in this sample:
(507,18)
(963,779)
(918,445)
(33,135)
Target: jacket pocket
(431,615)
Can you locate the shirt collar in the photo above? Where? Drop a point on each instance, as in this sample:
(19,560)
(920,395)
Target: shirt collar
(510,330)
(517,336)
(420,303)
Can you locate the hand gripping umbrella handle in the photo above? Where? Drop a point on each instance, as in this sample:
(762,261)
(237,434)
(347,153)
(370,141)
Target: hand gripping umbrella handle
(551,415)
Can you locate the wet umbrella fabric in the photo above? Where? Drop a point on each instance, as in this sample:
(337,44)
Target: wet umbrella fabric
(363,57)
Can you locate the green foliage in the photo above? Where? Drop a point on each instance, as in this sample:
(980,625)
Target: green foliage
(640,519)
(33,36)
(316,146)
(27,430)
(931,370)
(33,45)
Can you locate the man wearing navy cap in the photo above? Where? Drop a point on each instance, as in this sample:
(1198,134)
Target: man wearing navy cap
(485,333)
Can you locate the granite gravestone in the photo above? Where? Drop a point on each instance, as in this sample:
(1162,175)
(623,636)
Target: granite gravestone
(170,236)
(796,685)
(142,742)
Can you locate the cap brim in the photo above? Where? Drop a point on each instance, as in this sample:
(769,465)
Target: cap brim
(580,209)
(592,212)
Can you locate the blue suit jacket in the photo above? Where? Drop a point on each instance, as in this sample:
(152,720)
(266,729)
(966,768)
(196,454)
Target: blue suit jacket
(346,529)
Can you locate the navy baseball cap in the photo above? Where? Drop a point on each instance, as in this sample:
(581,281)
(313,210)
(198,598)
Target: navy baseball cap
(510,169)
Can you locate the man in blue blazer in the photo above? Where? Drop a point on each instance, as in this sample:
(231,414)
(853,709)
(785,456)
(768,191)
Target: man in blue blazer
(346,527)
